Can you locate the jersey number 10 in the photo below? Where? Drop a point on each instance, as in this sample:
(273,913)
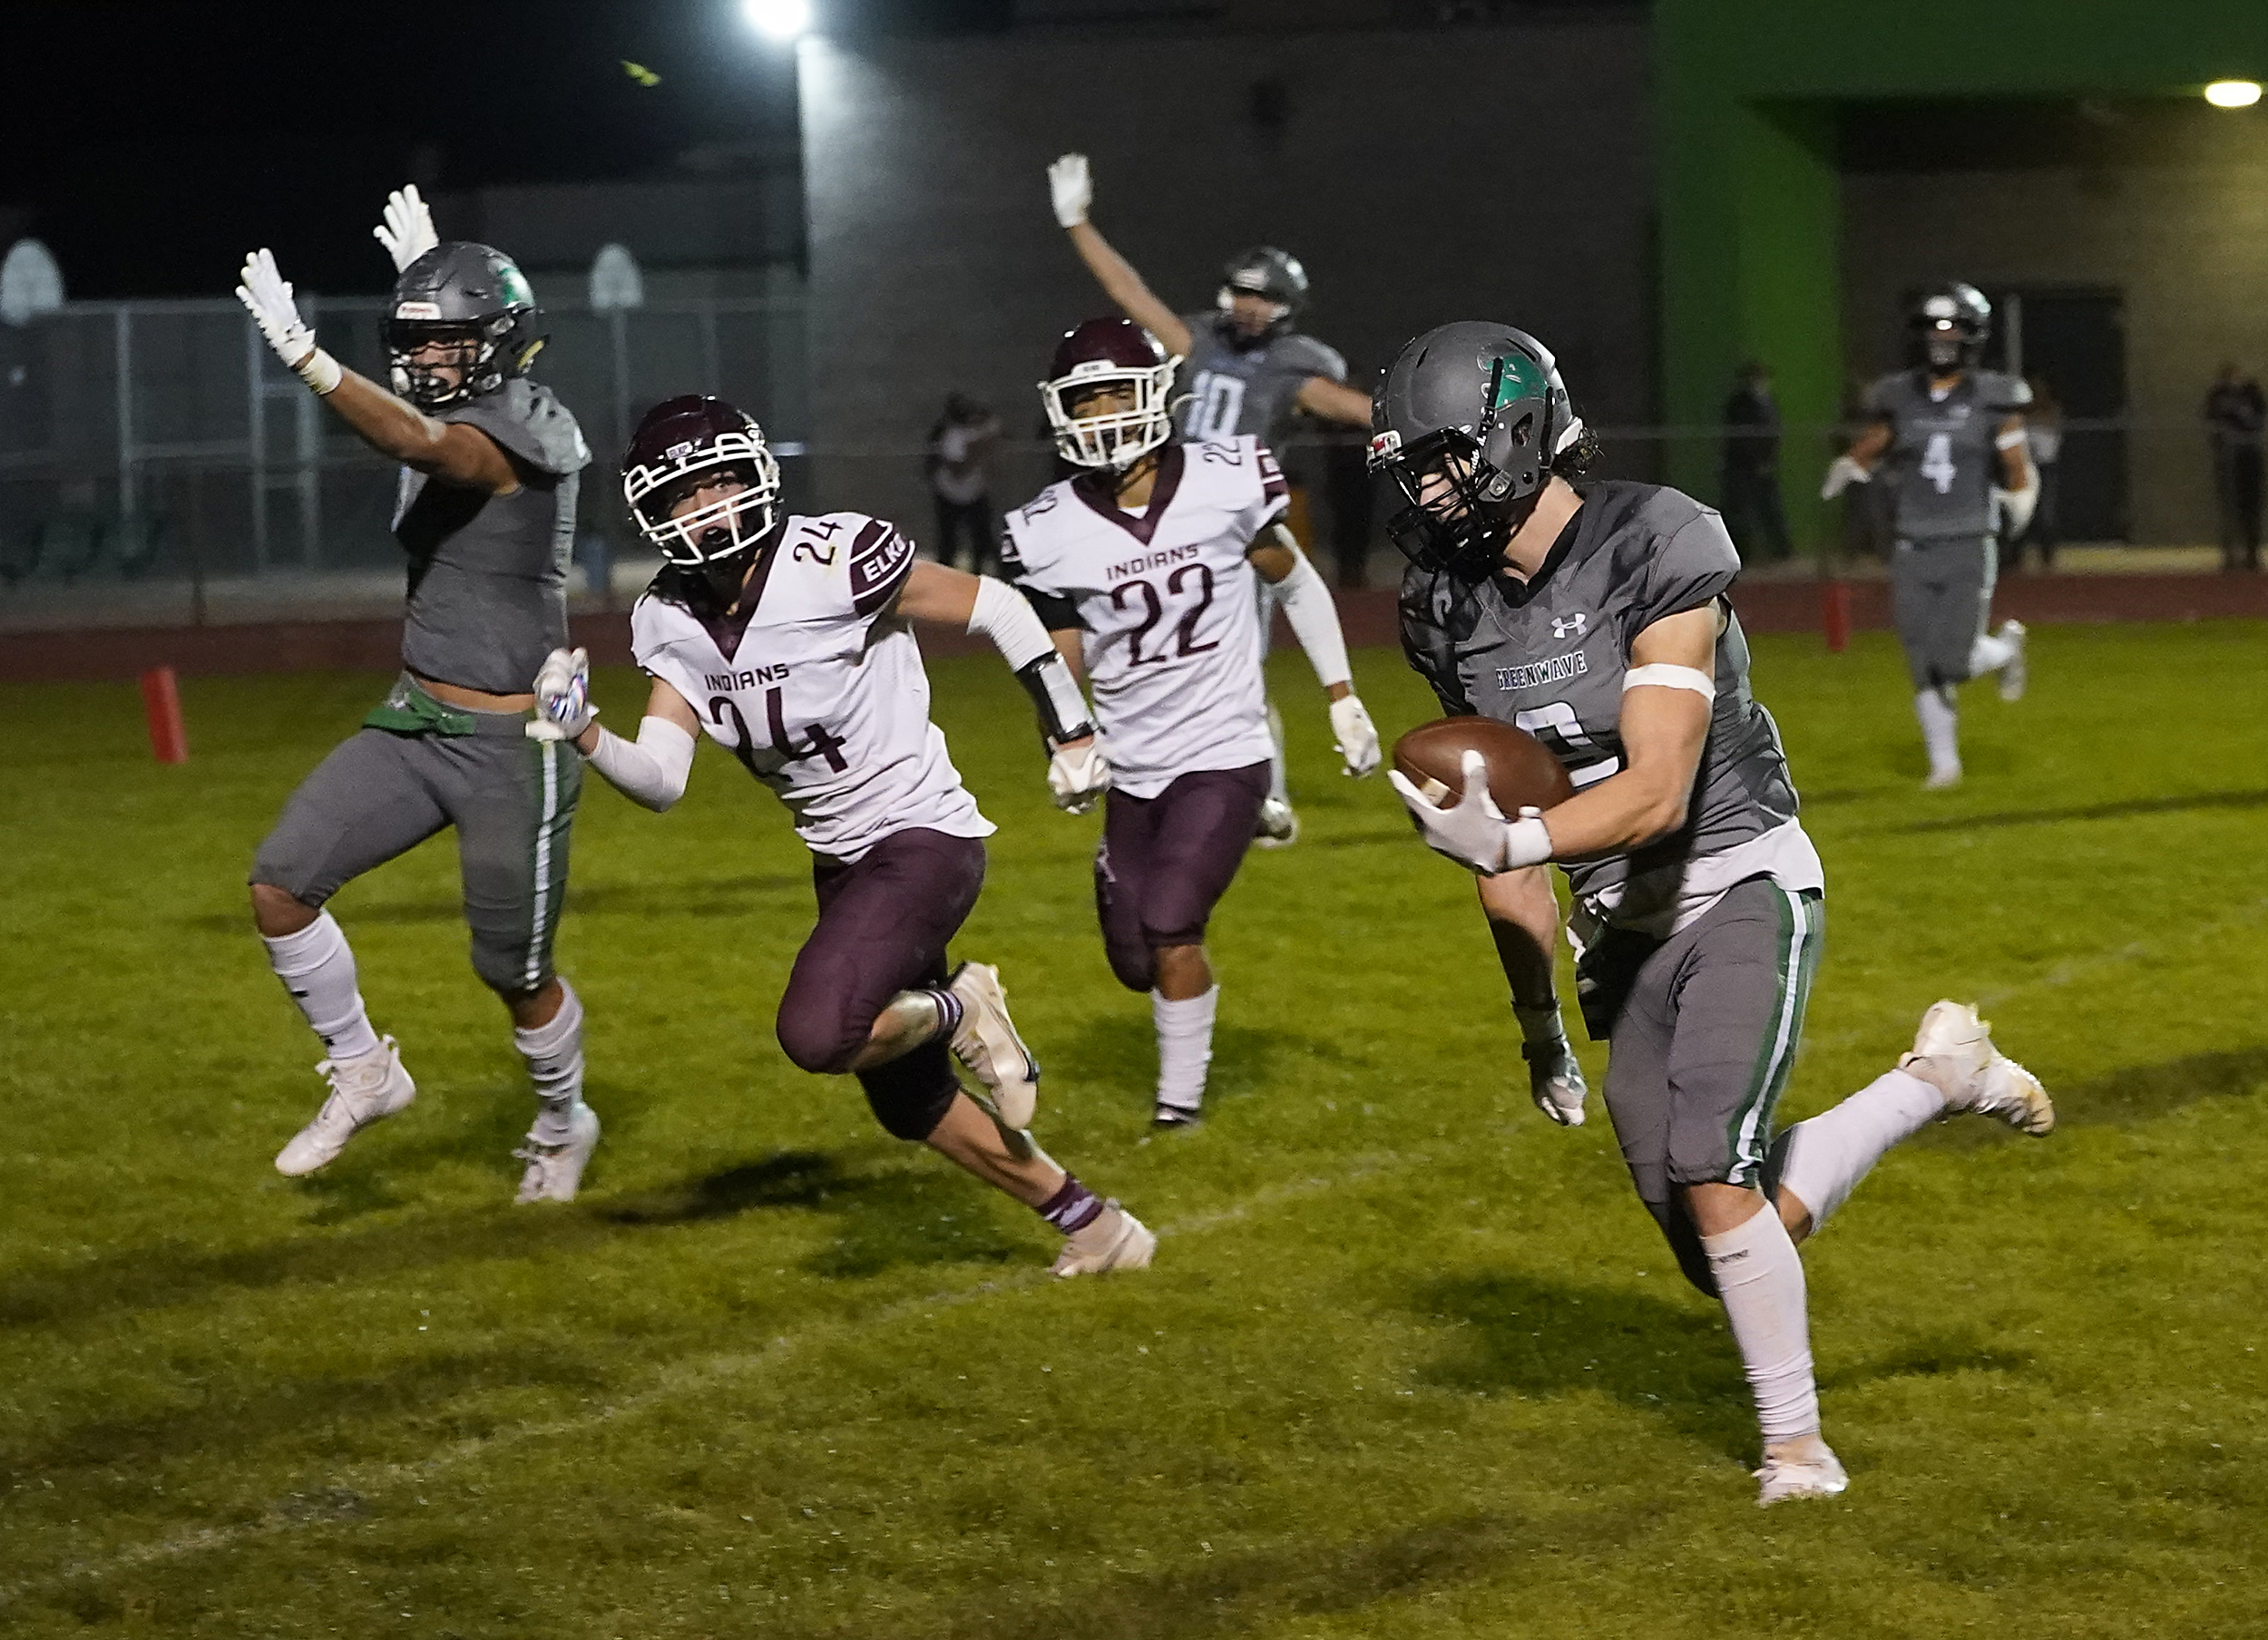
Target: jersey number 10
(820,745)
(1216,404)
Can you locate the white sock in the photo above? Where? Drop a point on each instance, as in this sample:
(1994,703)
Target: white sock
(1279,788)
(554,1055)
(318,968)
(1940,729)
(1822,1161)
(1185,1047)
(1989,654)
(1760,1279)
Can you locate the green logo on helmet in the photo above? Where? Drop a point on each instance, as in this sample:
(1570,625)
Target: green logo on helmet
(1520,379)
(511,285)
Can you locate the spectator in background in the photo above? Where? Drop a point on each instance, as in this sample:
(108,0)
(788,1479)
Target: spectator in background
(1751,472)
(2236,412)
(2043,430)
(960,480)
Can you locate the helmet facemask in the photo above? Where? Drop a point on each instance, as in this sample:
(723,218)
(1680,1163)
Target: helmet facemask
(726,527)
(473,343)
(1115,440)
(1457,519)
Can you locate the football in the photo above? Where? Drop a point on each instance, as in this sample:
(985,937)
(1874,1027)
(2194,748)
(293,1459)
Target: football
(1522,772)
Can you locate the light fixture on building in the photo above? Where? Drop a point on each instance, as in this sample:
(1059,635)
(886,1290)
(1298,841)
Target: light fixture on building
(783,21)
(2233,93)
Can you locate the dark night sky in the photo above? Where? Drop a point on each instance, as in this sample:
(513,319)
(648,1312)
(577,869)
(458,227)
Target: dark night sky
(152,142)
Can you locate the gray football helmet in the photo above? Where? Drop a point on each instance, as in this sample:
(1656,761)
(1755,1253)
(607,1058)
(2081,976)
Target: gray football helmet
(473,297)
(1952,324)
(1466,423)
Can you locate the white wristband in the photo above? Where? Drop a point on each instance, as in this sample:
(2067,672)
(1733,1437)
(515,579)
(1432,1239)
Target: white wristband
(1663,675)
(319,371)
(1526,843)
(2010,440)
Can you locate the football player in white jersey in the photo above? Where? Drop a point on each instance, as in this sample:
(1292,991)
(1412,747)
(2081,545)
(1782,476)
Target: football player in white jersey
(785,638)
(1146,568)
(1250,370)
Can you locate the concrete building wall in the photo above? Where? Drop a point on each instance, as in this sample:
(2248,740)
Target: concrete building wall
(1421,176)
(2168,203)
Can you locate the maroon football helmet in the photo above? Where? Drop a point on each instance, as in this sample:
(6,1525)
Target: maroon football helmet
(1110,353)
(683,444)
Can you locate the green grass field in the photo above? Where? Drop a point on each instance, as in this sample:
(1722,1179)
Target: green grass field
(1412,1363)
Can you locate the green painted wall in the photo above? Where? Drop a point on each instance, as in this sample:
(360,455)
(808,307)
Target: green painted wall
(1747,99)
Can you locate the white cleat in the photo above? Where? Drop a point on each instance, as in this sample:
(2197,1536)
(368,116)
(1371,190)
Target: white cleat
(1954,1052)
(1555,1081)
(555,1172)
(986,1042)
(365,1089)
(1279,825)
(1117,1240)
(1942,779)
(2016,670)
(1783,1479)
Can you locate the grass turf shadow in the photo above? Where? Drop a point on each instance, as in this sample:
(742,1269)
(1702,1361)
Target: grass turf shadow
(1243,1592)
(2129,809)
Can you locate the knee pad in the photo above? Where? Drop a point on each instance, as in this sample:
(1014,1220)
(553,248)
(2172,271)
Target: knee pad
(1135,968)
(909,1096)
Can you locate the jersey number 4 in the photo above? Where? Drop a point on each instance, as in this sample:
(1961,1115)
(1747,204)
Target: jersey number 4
(1937,462)
(1153,610)
(820,745)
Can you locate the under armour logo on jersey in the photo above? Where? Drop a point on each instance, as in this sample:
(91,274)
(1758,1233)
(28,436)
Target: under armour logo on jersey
(1569,626)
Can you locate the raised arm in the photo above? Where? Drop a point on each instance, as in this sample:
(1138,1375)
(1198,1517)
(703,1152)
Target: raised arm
(1334,401)
(1073,192)
(449,451)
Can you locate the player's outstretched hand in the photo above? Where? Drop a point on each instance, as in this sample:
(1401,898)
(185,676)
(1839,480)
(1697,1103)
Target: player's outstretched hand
(406,232)
(1472,831)
(1072,190)
(1079,775)
(562,697)
(1355,735)
(267,296)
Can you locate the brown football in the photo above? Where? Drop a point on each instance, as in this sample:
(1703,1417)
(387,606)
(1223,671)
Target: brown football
(1522,772)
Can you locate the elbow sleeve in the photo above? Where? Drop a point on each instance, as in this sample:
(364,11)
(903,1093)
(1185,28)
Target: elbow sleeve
(652,771)
(1314,620)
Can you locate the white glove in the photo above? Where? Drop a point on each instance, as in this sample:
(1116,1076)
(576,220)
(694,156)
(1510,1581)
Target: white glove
(2015,507)
(1355,735)
(1841,475)
(562,697)
(1071,189)
(1473,831)
(407,231)
(1555,1081)
(1079,775)
(267,296)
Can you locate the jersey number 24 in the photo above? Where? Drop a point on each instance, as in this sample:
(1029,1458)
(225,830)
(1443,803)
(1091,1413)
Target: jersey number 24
(820,745)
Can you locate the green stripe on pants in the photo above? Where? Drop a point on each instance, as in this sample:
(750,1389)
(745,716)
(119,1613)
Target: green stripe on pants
(1802,932)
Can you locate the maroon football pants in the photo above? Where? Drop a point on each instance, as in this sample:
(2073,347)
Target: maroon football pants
(885,921)
(1166,861)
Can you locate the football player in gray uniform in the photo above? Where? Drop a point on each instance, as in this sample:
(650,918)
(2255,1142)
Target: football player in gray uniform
(486,515)
(1597,620)
(1247,371)
(1948,440)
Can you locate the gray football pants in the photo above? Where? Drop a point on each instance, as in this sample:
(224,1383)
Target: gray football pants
(380,793)
(1704,1027)
(1940,594)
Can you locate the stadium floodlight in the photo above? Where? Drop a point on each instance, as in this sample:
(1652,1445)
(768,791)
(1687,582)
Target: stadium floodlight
(2233,93)
(779,20)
